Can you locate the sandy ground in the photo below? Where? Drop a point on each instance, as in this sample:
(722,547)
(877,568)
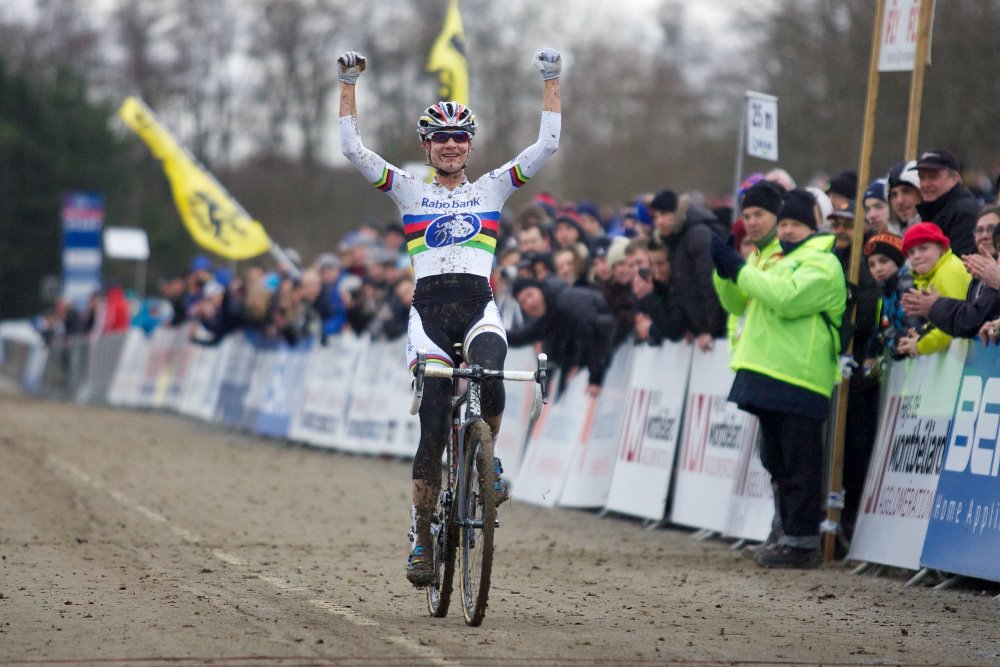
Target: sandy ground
(137,538)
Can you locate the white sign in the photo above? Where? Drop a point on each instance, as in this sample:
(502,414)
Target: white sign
(554,439)
(593,466)
(762,125)
(900,27)
(711,444)
(652,408)
(126,243)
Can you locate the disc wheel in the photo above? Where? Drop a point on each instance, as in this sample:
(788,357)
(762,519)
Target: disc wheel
(445,547)
(476,521)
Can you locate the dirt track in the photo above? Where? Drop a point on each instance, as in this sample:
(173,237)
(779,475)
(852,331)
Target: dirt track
(149,539)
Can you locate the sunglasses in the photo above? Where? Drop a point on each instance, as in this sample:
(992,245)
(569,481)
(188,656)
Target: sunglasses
(460,137)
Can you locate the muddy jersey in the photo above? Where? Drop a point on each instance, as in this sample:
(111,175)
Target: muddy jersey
(451,231)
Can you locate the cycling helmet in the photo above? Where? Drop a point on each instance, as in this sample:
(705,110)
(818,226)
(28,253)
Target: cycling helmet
(446,116)
(904,173)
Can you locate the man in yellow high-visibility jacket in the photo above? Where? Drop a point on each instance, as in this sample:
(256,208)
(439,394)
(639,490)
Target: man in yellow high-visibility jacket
(786,364)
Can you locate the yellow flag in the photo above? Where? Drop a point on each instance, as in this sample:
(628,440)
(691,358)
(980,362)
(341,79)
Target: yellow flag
(216,221)
(447,58)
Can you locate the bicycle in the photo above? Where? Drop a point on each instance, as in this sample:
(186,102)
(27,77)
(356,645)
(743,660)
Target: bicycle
(466,515)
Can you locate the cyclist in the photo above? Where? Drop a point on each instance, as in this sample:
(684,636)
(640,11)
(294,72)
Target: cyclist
(451,229)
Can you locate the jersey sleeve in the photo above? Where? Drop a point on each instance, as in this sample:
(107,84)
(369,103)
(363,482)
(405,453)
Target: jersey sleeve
(521,169)
(383,175)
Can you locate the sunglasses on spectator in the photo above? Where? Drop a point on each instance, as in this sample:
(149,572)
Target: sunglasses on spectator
(460,137)
(841,223)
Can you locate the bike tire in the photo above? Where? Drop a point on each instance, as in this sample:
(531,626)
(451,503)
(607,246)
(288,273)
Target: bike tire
(476,520)
(445,549)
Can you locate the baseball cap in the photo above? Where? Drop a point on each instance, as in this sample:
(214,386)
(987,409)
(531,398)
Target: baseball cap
(938,158)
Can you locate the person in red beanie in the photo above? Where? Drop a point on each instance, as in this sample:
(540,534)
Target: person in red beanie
(934,265)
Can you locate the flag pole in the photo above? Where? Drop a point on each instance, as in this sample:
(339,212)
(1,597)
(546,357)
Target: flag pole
(835,494)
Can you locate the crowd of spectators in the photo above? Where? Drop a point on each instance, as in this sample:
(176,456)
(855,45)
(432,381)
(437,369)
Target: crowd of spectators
(580,279)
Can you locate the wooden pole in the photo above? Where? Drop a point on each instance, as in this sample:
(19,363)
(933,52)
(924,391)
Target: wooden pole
(917,80)
(836,478)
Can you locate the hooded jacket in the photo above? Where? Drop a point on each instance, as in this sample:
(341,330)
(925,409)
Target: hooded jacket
(785,337)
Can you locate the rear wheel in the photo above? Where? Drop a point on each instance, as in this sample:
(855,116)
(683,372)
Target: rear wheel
(476,520)
(445,534)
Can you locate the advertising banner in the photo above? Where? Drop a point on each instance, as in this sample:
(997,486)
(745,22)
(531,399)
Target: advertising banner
(284,387)
(713,437)
(236,376)
(553,440)
(903,475)
(517,413)
(82,220)
(964,532)
(593,466)
(900,27)
(753,502)
(651,430)
(131,368)
(322,412)
(205,379)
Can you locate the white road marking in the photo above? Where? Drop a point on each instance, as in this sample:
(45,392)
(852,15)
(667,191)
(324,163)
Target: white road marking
(429,654)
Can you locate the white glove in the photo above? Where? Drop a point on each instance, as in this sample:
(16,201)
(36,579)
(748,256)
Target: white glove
(549,63)
(847,366)
(351,64)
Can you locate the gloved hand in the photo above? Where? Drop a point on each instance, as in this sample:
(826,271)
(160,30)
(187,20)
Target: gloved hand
(350,64)
(847,366)
(727,261)
(549,63)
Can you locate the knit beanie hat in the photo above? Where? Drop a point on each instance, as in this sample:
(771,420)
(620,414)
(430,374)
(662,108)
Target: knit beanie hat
(923,232)
(904,173)
(616,251)
(799,205)
(886,244)
(665,200)
(845,184)
(765,195)
(875,190)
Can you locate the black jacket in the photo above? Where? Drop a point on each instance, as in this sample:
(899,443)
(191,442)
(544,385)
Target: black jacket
(668,320)
(955,212)
(963,319)
(576,329)
(691,267)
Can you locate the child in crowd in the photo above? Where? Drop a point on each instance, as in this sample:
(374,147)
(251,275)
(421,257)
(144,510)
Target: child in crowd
(887,264)
(934,264)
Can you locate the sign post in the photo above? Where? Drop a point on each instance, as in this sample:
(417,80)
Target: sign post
(917,81)
(835,496)
(758,136)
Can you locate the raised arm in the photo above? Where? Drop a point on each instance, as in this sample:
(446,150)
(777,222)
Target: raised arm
(549,63)
(379,173)
(527,164)
(351,64)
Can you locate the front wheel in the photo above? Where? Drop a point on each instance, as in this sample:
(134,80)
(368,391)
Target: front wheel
(476,520)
